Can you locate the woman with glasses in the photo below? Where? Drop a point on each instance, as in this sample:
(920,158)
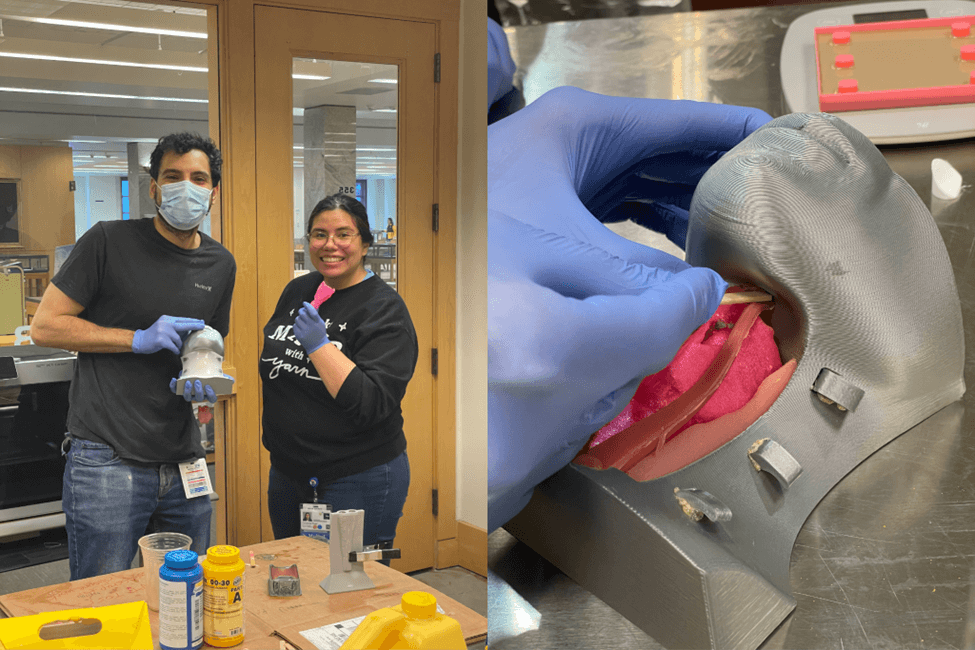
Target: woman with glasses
(334,374)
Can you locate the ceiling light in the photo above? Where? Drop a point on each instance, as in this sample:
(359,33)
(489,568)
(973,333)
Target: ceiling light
(384,110)
(383,81)
(127,64)
(132,64)
(313,77)
(41,91)
(109,26)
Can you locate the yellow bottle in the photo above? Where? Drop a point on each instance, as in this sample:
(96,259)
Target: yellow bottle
(223,597)
(414,624)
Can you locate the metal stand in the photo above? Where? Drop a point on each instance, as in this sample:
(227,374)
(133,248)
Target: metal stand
(346,555)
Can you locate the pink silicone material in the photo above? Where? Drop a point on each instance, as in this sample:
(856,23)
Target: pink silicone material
(968,52)
(848,85)
(960,30)
(844,61)
(868,100)
(841,38)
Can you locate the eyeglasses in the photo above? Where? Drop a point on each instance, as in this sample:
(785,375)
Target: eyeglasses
(342,238)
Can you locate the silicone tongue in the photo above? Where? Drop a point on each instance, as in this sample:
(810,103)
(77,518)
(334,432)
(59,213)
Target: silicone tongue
(323,293)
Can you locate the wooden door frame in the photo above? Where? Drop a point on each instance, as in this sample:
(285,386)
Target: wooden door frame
(236,136)
(409,47)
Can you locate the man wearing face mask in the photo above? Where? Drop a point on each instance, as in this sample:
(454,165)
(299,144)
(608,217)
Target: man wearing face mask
(125,299)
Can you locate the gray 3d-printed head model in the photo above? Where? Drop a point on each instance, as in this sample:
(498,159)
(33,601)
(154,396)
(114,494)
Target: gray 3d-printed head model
(202,356)
(807,209)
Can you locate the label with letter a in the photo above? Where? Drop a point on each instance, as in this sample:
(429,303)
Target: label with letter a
(223,610)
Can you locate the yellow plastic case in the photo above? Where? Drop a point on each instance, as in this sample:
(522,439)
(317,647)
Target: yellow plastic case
(123,626)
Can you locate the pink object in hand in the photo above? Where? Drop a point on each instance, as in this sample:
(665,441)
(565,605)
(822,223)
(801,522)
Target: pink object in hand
(323,293)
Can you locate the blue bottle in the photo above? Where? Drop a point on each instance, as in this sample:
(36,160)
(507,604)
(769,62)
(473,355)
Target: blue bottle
(181,601)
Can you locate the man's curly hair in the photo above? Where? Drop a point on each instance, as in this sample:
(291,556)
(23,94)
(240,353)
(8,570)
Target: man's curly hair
(181,143)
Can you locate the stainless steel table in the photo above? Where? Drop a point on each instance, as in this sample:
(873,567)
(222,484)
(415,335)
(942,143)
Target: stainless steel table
(887,559)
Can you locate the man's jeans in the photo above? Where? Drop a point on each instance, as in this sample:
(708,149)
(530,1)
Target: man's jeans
(109,504)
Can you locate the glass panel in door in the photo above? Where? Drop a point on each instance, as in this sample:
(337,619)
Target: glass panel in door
(345,141)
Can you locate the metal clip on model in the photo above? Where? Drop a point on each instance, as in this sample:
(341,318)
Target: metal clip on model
(346,554)
(376,554)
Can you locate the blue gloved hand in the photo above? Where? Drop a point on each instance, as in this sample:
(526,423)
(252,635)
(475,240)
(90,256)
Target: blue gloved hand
(572,155)
(310,329)
(165,334)
(501,68)
(196,391)
(577,315)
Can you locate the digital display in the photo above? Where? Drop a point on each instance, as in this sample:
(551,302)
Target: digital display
(888,16)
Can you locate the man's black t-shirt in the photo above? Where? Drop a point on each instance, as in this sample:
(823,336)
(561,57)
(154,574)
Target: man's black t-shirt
(126,275)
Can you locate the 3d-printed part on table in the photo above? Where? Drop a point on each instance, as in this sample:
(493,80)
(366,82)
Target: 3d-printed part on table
(807,209)
(346,554)
(896,64)
(202,356)
(283,581)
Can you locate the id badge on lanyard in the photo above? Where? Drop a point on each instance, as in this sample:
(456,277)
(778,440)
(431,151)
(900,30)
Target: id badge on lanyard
(315,516)
(196,478)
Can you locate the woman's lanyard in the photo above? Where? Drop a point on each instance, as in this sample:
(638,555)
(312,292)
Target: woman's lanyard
(315,517)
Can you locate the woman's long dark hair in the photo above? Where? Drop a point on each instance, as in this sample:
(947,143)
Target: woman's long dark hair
(351,207)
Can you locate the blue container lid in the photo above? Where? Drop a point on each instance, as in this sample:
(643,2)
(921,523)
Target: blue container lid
(181,559)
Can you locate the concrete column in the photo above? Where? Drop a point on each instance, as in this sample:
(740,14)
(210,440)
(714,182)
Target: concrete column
(329,134)
(141,205)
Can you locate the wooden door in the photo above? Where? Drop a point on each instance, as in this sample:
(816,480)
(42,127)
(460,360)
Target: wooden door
(294,47)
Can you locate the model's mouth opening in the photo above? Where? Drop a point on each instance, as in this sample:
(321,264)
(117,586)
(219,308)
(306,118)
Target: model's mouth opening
(726,375)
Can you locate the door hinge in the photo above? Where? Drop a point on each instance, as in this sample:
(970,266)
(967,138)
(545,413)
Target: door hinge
(436,68)
(436,503)
(434,361)
(436,217)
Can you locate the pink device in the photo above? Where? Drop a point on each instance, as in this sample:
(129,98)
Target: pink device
(323,293)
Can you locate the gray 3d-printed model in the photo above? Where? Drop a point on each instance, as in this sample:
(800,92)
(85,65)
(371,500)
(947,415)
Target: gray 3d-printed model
(346,555)
(345,539)
(807,209)
(202,356)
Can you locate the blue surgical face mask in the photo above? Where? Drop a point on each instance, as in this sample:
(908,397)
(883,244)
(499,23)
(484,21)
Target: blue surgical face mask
(184,204)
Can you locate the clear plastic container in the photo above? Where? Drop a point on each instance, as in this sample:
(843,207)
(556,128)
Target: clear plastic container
(154,548)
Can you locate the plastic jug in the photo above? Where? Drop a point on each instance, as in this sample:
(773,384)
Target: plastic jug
(414,624)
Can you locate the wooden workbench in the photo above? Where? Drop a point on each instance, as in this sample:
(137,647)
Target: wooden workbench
(266,620)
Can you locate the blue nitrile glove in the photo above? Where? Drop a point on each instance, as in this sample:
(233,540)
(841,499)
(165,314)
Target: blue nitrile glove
(165,334)
(196,391)
(572,155)
(310,329)
(577,315)
(501,68)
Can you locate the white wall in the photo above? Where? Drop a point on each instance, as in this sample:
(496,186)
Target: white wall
(96,198)
(472,445)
